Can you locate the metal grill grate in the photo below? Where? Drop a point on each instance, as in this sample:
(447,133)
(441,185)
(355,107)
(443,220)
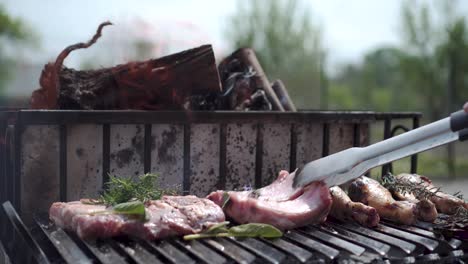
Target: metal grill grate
(331,242)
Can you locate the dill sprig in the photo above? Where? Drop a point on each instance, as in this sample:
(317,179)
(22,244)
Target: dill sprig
(121,190)
(419,189)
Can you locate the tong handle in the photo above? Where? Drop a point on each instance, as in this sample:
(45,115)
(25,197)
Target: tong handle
(459,121)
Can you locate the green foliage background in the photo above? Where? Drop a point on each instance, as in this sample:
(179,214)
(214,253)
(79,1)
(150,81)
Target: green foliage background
(427,72)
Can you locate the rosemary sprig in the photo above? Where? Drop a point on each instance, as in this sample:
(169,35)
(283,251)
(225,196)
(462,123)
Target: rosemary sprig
(455,222)
(122,190)
(419,189)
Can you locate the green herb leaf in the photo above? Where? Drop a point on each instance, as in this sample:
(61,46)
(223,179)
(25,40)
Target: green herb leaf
(255,230)
(130,208)
(218,228)
(247,230)
(226,199)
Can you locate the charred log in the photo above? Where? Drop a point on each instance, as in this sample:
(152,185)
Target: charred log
(164,83)
(242,76)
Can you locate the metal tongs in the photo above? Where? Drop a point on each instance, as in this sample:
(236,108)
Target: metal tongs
(349,164)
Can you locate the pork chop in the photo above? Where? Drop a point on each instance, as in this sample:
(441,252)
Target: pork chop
(277,204)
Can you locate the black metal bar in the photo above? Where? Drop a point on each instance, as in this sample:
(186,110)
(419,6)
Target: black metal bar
(298,252)
(170,252)
(9,177)
(181,117)
(387,134)
(429,244)
(398,127)
(221,185)
(187,170)
(318,247)
(444,245)
(230,250)
(333,241)
(259,156)
(63,163)
(326,140)
(414,158)
(22,235)
(18,130)
(267,253)
(357,135)
(147,149)
(201,252)
(376,246)
(293,149)
(407,247)
(3,131)
(103,251)
(137,252)
(105,153)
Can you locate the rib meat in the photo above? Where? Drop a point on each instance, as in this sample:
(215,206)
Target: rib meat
(370,192)
(345,209)
(170,216)
(445,203)
(278,204)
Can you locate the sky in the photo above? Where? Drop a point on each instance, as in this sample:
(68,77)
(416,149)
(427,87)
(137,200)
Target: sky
(351,27)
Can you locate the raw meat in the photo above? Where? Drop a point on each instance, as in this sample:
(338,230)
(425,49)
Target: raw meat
(278,204)
(172,215)
(345,209)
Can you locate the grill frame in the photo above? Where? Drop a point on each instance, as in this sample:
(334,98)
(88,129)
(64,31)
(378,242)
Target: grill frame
(13,123)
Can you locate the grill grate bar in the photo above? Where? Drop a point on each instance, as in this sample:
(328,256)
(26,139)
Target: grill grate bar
(169,252)
(297,252)
(403,245)
(202,252)
(334,241)
(429,244)
(376,246)
(65,245)
(444,246)
(230,250)
(104,252)
(309,243)
(412,229)
(137,252)
(267,253)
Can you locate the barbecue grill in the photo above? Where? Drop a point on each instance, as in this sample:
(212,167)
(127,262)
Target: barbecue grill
(195,152)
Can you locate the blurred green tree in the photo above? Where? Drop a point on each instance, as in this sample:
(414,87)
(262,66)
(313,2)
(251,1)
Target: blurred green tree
(287,43)
(12,32)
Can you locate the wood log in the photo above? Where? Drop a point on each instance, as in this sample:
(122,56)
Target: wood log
(246,57)
(164,83)
(283,96)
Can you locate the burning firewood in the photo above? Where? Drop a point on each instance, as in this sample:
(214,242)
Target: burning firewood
(283,96)
(245,84)
(164,83)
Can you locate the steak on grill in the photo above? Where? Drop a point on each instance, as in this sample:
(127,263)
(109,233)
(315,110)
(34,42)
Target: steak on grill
(345,209)
(170,216)
(370,192)
(278,204)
